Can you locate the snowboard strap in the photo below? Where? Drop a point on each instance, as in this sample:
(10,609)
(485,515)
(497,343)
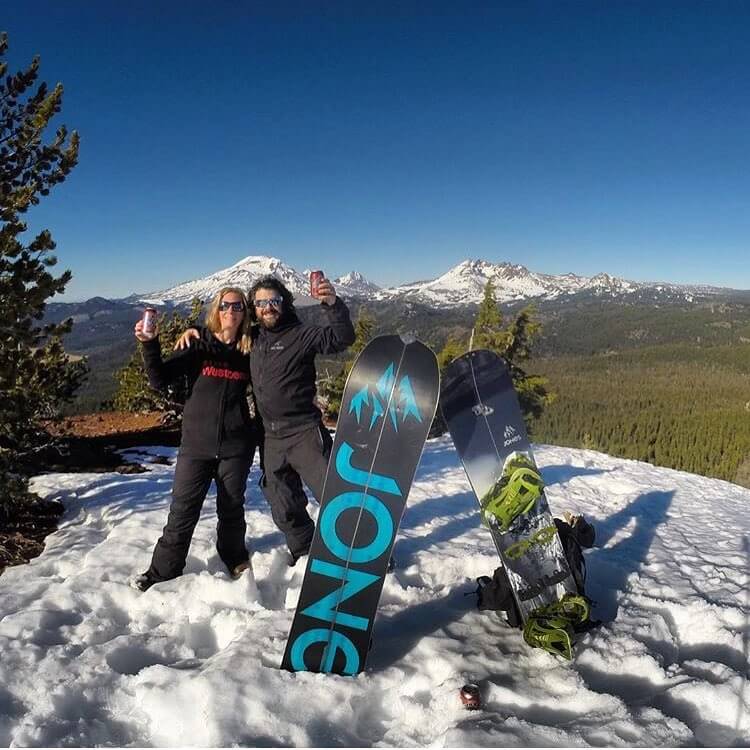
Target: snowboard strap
(495,593)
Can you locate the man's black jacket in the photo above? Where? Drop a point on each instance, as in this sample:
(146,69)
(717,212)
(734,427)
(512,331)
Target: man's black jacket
(216,420)
(282,364)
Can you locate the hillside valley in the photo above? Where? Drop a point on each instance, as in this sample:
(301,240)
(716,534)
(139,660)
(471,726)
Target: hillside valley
(631,374)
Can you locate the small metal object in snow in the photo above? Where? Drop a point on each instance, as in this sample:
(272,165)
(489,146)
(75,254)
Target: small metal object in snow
(471,697)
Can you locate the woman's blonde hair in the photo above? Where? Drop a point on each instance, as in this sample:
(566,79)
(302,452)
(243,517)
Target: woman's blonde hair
(213,322)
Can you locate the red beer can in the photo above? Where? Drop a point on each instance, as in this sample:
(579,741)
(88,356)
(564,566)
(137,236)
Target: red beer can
(471,697)
(149,321)
(315,278)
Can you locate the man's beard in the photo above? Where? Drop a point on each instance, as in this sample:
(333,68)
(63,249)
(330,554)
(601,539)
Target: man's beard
(270,321)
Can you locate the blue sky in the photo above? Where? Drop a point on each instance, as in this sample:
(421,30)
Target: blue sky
(396,138)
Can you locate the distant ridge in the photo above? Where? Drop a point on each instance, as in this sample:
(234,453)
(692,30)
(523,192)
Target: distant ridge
(461,285)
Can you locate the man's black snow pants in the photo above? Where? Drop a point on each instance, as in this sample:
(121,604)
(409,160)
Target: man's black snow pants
(192,478)
(287,462)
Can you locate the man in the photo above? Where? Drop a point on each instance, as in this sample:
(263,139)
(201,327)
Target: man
(296,445)
(282,366)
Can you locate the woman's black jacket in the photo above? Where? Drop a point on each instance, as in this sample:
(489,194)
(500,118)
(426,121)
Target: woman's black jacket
(216,421)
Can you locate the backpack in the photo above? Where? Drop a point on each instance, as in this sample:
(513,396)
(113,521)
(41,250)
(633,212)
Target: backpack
(495,593)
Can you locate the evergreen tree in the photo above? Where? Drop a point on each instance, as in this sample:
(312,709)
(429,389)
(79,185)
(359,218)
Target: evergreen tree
(453,348)
(742,476)
(513,343)
(133,391)
(363,330)
(333,387)
(36,376)
(488,332)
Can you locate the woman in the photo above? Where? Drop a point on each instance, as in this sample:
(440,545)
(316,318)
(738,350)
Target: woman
(218,435)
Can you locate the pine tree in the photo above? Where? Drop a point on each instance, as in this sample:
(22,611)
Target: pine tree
(363,330)
(742,475)
(333,387)
(488,332)
(36,376)
(453,348)
(133,391)
(513,343)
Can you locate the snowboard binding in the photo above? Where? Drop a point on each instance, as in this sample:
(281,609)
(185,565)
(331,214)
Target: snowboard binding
(553,626)
(515,493)
(541,538)
(553,634)
(573,606)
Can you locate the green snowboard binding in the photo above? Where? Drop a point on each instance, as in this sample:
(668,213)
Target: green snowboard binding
(516,492)
(542,538)
(552,627)
(573,606)
(553,634)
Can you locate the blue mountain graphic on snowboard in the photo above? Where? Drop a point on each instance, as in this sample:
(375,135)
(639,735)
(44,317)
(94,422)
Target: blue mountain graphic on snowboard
(375,398)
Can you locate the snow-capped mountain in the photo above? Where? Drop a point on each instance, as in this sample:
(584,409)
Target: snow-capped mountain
(354,284)
(465,283)
(246,272)
(242,274)
(462,285)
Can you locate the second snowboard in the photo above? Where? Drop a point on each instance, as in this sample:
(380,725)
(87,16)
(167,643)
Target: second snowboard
(480,406)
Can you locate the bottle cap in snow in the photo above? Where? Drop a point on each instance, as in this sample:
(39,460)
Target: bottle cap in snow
(471,697)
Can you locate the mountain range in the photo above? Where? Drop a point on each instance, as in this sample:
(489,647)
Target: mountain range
(579,315)
(461,285)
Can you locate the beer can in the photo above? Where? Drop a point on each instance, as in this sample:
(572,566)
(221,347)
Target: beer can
(315,278)
(149,321)
(471,697)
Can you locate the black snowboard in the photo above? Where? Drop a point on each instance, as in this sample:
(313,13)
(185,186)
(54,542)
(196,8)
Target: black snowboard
(386,411)
(480,406)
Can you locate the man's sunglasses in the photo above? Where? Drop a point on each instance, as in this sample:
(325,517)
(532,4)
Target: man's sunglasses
(264,303)
(234,306)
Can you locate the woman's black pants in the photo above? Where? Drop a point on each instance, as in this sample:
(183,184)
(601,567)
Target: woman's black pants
(192,478)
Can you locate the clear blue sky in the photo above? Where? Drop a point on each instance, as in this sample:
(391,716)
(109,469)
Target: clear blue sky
(396,138)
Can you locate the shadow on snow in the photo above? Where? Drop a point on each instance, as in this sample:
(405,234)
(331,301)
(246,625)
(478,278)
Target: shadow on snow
(608,569)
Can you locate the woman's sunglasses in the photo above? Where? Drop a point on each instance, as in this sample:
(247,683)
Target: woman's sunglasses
(234,306)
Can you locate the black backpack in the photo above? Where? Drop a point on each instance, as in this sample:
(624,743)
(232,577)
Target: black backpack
(495,593)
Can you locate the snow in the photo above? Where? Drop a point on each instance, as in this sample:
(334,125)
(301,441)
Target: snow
(87,660)
(463,284)
(246,272)
(355,284)
(243,274)
(466,282)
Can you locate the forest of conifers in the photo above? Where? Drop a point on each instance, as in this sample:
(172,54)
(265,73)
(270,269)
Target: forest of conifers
(679,406)
(669,385)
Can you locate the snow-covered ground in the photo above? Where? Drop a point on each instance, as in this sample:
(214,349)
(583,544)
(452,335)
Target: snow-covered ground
(87,660)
